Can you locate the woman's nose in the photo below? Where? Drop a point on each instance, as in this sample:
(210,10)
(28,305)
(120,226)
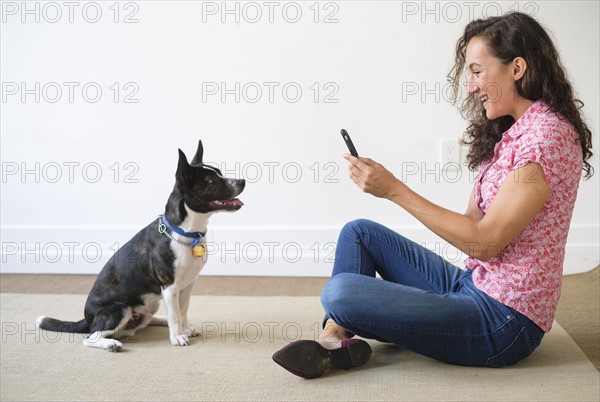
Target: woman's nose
(472,86)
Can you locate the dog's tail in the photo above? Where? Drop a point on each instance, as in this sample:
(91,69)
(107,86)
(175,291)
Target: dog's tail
(52,324)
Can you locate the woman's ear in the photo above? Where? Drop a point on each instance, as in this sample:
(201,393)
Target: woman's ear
(519,68)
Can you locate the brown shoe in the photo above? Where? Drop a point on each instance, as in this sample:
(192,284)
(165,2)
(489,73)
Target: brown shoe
(308,359)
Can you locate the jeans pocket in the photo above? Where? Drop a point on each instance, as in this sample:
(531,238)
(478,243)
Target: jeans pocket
(526,340)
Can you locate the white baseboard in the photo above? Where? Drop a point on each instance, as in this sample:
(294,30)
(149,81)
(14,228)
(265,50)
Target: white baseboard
(237,251)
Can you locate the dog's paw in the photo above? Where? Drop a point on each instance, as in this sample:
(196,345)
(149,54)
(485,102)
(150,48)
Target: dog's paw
(192,332)
(180,340)
(112,345)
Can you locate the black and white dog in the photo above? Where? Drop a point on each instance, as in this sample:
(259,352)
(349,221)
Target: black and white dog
(163,260)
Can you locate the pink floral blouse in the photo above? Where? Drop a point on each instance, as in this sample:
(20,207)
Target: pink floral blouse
(527,274)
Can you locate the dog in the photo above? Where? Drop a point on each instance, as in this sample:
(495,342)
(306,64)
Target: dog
(162,261)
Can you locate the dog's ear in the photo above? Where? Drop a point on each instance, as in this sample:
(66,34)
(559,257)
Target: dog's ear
(184,170)
(197,160)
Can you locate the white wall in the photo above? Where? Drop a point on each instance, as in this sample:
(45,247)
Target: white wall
(82,171)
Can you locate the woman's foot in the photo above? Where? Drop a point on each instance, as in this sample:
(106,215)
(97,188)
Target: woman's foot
(332,335)
(310,359)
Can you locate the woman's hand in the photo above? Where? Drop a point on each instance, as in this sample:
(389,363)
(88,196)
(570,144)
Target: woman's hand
(373,178)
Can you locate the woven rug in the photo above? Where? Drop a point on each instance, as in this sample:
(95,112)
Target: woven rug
(232,360)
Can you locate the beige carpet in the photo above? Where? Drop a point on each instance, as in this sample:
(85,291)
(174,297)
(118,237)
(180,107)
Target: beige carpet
(232,361)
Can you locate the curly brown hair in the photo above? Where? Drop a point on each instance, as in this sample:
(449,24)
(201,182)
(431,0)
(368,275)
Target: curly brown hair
(509,36)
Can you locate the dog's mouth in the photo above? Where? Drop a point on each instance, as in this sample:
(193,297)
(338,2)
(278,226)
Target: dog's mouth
(232,204)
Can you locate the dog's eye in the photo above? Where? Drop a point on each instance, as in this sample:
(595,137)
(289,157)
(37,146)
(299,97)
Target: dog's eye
(210,179)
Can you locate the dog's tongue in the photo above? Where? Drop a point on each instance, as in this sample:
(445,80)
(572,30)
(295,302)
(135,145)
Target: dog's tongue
(234,202)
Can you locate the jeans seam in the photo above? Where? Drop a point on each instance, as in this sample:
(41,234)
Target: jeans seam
(506,348)
(502,326)
(359,322)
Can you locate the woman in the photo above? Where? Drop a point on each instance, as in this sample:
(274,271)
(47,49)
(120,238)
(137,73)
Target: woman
(531,145)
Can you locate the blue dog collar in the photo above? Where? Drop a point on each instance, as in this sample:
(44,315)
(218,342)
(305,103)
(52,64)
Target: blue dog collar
(197,236)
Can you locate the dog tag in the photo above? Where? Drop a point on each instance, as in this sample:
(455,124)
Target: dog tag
(198,250)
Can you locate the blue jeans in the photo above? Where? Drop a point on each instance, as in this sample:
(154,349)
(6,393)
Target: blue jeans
(423,303)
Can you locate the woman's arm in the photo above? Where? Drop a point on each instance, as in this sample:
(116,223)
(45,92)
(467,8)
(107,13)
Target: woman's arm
(517,202)
(472,211)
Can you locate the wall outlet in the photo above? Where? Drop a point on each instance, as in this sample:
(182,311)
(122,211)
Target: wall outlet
(450,154)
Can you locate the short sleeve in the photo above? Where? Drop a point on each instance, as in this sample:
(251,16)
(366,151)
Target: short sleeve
(555,147)
(540,154)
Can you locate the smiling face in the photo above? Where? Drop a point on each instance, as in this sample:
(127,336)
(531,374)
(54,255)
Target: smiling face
(493,83)
(203,187)
(208,191)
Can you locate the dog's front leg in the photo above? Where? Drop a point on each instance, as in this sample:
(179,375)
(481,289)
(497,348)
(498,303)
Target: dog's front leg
(176,333)
(184,303)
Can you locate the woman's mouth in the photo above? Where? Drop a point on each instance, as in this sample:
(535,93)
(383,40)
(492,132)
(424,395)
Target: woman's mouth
(484,99)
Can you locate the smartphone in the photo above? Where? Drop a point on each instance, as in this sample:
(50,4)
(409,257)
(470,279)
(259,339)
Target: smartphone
(349,143)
